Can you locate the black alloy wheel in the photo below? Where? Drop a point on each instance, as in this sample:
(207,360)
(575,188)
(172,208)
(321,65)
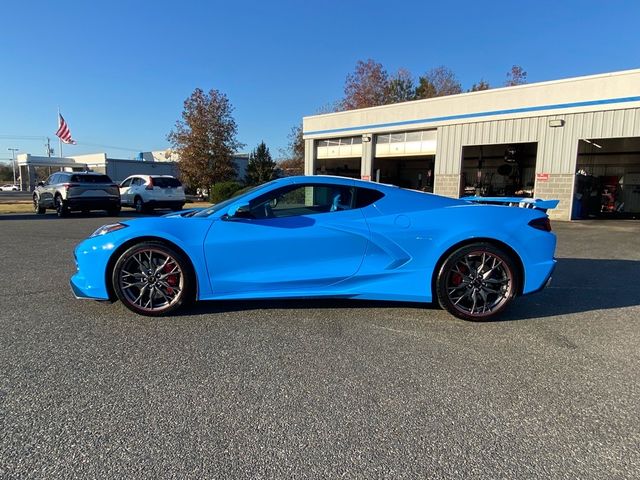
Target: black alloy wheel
(61,209)
(477,282)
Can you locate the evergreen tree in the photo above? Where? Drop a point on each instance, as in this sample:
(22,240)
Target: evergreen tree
(401,87)
(261,167)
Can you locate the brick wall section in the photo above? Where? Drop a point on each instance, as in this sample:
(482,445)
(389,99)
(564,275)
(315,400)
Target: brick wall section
(558,187)
(447,185)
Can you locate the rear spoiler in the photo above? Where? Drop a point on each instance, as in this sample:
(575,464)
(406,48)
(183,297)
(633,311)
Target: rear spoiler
(536,203)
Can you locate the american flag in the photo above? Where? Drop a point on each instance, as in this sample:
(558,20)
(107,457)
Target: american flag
(63,131)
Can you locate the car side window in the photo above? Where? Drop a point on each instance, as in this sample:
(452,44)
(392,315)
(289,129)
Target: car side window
(296,200)
(367,196)
(136,182)
(53,179)
(126,183)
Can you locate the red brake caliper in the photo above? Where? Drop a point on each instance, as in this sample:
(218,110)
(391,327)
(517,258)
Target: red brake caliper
(172,280)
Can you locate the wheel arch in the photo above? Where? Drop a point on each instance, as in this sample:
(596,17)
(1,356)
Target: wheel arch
(147,238)
(470,241)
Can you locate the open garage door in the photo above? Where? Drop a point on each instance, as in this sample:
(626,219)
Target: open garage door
(339,156)
(607,178)
(503,170)
(406,159)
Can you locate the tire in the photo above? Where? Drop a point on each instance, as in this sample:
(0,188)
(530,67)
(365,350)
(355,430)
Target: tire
(139,205)
(477,282)
(36,206)
(61,208)
(139,279)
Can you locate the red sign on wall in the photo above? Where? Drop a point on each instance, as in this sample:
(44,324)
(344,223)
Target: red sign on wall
(366,177)
(542,177)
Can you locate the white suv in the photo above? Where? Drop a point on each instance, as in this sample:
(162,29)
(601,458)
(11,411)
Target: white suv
(146,192)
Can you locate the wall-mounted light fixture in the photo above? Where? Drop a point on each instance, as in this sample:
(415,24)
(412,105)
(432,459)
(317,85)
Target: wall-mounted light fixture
(556,123)
(366,138)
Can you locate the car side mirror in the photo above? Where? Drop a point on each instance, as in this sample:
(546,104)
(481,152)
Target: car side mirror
(40,184)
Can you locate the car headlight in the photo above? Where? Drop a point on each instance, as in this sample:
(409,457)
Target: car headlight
(103,230)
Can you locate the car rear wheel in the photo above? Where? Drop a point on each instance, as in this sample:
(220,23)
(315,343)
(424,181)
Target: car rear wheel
(139,205)
(477,282)
(36,206)
(61,209)
(152,279)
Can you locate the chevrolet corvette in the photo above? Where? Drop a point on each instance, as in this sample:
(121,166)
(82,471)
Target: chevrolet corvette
(323,236)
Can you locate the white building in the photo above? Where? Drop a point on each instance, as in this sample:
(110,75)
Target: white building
(577,140)
(33,168)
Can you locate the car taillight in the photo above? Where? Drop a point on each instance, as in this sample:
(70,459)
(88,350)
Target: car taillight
(67,186)
(149,185)
(542,223)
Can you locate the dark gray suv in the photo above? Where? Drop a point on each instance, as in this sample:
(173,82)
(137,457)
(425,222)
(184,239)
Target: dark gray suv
(86,191)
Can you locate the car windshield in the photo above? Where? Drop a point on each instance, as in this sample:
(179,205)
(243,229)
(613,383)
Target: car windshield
(90,179)
(219,206)
(166,182)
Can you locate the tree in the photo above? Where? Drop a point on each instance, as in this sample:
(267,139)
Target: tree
(481,85)
(366,86)
(400,87)
(205,139)
(438,82)
(261,167)
(6,173)
(516,76)
(293,163)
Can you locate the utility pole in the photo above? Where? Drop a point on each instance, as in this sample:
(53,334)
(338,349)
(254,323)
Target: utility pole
(48,147)
(13,163)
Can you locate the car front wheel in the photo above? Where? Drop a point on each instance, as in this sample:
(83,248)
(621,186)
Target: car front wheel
(477,282)
(36,206)
(152,279)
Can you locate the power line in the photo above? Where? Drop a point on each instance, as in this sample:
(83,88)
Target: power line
(110,147)
(21,137)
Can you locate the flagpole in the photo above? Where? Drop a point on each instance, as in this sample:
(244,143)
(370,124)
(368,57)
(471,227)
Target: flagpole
(59,139)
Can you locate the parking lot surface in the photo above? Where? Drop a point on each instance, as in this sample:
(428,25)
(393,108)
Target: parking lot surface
(319,389)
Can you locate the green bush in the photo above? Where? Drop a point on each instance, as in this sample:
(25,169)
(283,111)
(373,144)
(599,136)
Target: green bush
(223,190)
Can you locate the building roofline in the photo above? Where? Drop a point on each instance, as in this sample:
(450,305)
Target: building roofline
(490,91)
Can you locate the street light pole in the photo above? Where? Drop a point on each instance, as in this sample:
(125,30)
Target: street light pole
(13,163)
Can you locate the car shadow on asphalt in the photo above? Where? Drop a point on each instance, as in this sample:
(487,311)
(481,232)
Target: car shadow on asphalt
(579,285)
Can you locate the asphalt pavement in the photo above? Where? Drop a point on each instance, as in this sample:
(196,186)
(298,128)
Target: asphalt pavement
(319,389)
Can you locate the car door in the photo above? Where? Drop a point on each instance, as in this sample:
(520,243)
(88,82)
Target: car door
(299,238)
(47,191)
(125,192)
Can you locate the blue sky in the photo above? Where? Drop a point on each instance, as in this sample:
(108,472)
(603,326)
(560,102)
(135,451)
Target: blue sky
(120,70)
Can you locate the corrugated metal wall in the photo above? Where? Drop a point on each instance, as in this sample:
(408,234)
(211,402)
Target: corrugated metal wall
(557,146)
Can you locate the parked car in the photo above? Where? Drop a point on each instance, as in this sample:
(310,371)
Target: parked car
(68,191)
(325,237)
(9,187)
(146,192)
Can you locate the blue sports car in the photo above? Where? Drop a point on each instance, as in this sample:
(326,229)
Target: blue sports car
(321,236)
